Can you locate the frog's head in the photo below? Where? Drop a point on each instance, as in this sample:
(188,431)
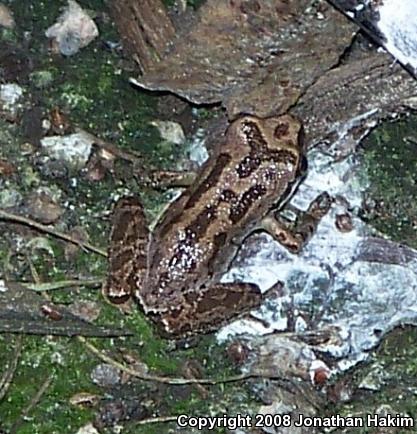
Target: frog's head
(280,136)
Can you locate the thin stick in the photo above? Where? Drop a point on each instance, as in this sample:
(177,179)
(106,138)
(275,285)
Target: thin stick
(7,377)
(4,215)
(410,139)
(33,402)
(161,419)
(124,155)
(165,380)
(42,287)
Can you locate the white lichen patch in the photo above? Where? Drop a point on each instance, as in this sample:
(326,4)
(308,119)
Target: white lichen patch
(398,23)
(327,286)
(197,150)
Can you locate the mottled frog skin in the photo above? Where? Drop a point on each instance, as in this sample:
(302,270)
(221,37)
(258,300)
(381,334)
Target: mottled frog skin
(174,271)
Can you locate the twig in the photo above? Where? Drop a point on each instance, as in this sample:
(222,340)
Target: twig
(7,377)
(166,380)
(410,139)
(6,264)
(33,402)
(4,215)
(120,153)
(42,287)
(161,419)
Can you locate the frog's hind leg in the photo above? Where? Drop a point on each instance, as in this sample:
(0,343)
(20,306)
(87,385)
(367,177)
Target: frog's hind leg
(214,306)
(127,254)
(296,236)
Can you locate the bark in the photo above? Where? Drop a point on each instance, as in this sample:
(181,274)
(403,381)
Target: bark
(145,28)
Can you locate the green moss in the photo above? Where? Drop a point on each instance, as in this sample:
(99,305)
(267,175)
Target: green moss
(42,79)
(391,163)
(394,365)
(8,35)
(43,358)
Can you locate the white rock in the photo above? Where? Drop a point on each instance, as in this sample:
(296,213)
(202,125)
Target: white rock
(87,429)
(73,30)
(170,131)
(10,94)
(73,149)
(3,287)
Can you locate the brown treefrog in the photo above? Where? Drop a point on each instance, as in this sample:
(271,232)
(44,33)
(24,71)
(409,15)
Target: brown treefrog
(174,270)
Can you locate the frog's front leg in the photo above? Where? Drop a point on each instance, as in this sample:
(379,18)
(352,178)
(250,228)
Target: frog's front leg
(294,237)
(214,306)
(128,250)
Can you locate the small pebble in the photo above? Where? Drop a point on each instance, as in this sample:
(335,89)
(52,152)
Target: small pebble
(170,131)
(6,17)
(105,375)
(43,208)
(73,30)
(344,222)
